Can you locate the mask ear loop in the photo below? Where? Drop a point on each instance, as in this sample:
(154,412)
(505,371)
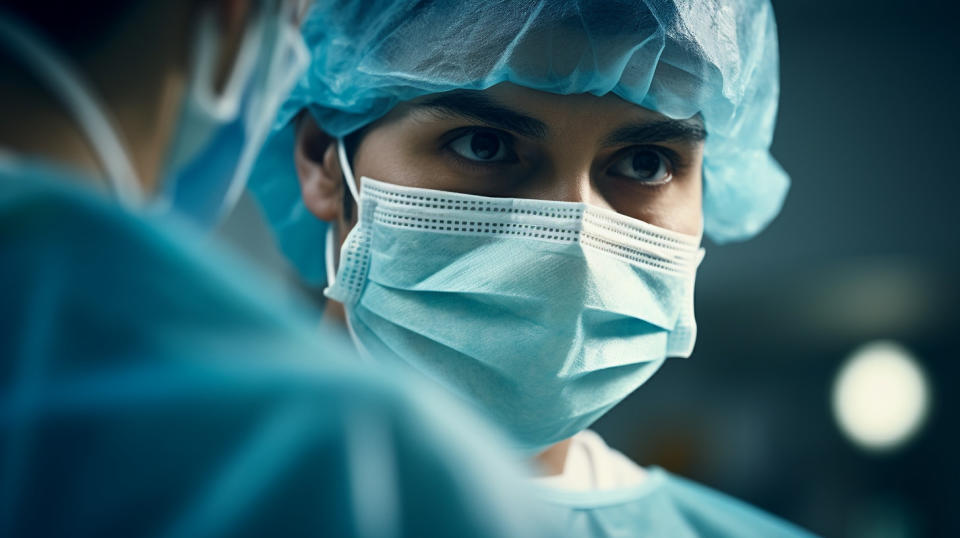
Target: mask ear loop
(348,174)
(329,256)
(331,236)
(332,243)
(80,100)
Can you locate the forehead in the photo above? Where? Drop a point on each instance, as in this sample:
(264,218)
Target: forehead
(547,106)
(544,115)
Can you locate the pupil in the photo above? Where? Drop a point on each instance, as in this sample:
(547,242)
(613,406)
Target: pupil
(484,145)
(646,163)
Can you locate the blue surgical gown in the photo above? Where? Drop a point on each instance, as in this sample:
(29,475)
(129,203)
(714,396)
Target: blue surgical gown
(153,384)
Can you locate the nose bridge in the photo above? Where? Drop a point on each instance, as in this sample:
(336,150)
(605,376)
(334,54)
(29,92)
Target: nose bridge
(567,185)
(568,178)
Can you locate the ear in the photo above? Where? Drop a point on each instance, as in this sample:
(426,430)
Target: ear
(318,169)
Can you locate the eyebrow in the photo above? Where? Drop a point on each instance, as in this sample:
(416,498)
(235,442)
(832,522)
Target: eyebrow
(482,108)
(689,130)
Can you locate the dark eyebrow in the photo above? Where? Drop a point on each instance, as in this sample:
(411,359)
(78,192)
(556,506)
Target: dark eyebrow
(689,131)
(475,105)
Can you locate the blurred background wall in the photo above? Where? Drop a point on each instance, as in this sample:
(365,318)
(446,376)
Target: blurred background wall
(866,250)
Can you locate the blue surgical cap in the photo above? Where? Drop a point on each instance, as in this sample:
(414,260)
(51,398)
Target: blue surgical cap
(679,58)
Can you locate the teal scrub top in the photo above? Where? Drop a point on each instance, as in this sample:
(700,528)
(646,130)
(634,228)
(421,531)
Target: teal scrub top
(152,383)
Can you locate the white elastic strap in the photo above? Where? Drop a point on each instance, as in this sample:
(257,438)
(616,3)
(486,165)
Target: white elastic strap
(348,172)
(67,84)
(329,255)
(364,353)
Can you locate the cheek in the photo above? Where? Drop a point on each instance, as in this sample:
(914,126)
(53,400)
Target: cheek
(677,207)
(686,208)
(684,203)
(398,158)
(377,158)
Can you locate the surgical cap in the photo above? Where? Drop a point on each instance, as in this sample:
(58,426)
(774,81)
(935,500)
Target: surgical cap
(679,58)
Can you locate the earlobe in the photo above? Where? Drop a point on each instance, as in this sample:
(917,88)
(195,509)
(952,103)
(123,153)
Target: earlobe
(318,170)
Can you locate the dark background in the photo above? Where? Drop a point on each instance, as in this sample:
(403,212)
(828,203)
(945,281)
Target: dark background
(865,249)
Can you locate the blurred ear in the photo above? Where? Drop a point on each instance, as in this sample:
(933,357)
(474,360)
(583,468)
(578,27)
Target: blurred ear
(318,169)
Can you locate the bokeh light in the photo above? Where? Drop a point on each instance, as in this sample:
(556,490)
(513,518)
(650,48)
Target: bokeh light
(881,396)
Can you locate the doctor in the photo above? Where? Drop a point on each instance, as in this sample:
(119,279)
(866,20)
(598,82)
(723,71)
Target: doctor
(512,197)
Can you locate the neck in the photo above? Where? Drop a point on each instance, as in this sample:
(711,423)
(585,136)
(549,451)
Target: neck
(551,461)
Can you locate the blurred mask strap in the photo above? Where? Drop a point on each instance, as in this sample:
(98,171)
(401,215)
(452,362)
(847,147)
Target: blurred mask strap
(226,105)
(289,59)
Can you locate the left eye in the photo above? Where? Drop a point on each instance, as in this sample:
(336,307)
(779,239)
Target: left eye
(645,165)
(482,146)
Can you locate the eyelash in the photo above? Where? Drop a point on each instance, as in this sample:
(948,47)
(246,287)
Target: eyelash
(506,138)
(677,164)
(675,161)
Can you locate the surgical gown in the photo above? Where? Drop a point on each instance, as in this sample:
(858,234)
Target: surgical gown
(152,384)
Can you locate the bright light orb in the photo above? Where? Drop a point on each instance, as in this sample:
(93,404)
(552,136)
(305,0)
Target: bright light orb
(881,396)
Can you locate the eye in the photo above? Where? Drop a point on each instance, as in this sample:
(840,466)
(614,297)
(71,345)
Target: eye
(645,165)
(482,146)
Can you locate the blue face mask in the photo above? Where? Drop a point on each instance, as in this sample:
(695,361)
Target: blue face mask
(544,314)
(218,134)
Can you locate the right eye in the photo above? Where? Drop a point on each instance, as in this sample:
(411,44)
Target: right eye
(483,147)
(644,165)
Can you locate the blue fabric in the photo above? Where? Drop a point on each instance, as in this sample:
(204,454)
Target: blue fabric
(663,505)
(215,138)
(679,58)
(153,385)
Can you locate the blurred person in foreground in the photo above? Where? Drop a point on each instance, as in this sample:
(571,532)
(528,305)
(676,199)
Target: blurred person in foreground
(151,382)
(512,197)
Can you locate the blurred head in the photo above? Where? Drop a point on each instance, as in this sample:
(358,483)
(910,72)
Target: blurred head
(187,87)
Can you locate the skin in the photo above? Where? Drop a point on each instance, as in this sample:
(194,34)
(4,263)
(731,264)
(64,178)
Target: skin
(580,148)
(139,72)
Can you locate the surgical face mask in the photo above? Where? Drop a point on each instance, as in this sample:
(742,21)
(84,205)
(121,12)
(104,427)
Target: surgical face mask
(544,314)
(217,137)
